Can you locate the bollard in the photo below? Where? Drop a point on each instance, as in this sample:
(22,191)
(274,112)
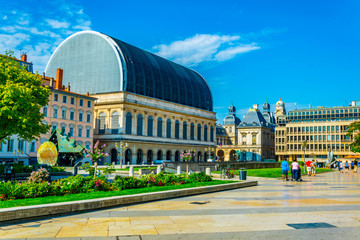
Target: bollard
(131,171)
(208,171)
(140,171)
(158,169)
(178,170)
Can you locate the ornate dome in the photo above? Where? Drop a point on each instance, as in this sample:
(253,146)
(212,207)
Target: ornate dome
(280,103)
(231,118)
(266,107)
(232,109)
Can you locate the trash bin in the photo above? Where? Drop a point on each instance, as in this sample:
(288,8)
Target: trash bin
(242,174)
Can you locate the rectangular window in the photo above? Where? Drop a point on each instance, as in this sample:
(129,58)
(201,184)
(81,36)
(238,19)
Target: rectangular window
(64,99)
(21,145)
(72,115)
(10,145)
(71,131)
(88,133)
(63,114)
(72,101)
(81,102)
(45,110)
(32,147)
(55,113)
(63,129)
(80,132)
(56,97)
(332,128)
(254,139)
(89,104)
(80,116)
(88,117)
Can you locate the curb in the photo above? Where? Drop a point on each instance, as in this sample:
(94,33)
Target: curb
(20,213)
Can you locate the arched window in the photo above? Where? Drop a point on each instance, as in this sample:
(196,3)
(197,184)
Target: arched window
(102,118)
(192,130)
(139,127)
(177,129)
(168,155)
(199,132)
(159,155)
(184,130)
(150,126)
(205,133)
(115,122)
(211,134)
(128,124)
(159,127)
(168,128)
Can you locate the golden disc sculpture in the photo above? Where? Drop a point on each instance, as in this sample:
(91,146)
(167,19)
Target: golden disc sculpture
(47,154)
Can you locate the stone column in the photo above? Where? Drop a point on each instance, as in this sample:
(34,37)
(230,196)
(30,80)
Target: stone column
(178,170)
(158,169)
(131,171)
(208,172)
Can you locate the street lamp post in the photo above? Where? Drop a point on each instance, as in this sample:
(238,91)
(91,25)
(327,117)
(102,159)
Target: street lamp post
(17,152)
(209,150)
(121,150)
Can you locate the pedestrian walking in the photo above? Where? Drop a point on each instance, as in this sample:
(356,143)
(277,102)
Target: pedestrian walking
(341,167)
(313,167)
(295,170)
(285,170)
(355,165)
(308,167)
(352,166)
(347,167)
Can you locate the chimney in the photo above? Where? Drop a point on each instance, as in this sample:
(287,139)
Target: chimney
(52,82)
(59,78)
(24,57)
(87,94)
(68,86)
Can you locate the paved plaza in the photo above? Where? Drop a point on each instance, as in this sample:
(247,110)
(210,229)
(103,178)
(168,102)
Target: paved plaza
(323,207)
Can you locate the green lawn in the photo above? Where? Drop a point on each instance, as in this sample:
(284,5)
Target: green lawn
(270,172)
(93,195)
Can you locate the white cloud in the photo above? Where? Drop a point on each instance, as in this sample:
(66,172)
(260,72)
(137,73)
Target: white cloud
(83,25)
(57,24)
(38,35)
(233,51)
(204,47)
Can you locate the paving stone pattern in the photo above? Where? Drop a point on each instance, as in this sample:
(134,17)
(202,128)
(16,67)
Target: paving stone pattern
(323,207)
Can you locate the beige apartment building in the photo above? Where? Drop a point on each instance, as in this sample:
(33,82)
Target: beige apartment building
(323,129)
(68,111)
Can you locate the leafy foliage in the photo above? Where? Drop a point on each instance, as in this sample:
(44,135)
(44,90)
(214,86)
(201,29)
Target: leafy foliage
(21,98)
(37,187)
(354,130)
(38,176)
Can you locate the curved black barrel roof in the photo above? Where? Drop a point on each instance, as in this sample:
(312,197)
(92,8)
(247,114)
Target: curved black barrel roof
(99,63)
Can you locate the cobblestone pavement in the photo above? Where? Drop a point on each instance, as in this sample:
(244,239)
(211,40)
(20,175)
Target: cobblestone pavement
(323,207)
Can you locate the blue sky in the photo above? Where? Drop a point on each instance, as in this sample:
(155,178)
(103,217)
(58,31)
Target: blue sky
(305,52)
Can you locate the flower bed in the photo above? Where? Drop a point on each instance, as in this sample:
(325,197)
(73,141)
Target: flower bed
(37,187)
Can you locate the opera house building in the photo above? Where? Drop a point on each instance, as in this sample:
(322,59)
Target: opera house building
(147,106)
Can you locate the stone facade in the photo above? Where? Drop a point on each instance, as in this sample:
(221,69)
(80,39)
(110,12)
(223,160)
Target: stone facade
(249,140)
(152,128)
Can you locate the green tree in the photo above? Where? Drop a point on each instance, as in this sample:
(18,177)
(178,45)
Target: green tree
(22,95)
(354,132)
